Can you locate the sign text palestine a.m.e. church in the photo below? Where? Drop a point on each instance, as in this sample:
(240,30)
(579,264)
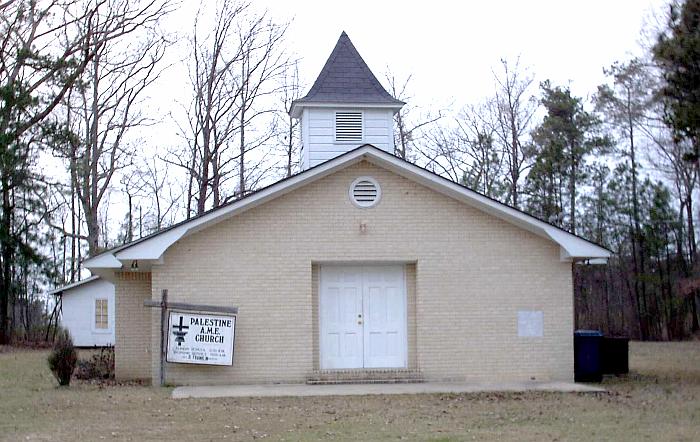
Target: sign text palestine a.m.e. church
(195,338)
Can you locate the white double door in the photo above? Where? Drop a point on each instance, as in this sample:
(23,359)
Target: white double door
(362,317)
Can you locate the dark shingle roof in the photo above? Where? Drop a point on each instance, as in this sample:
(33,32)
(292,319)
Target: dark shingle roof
(345,78)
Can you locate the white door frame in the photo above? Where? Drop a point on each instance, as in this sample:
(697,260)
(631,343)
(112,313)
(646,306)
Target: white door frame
(365,330)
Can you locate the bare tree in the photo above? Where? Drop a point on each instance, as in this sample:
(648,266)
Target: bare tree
(513,106)
(288,127)
(409,125)
(233,73)
(466,151)
(262,64)
(159,192)
(105,106)
(214,108)
(42,55)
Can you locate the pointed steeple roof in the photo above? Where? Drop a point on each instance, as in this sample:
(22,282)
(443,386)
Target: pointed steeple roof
(345,78)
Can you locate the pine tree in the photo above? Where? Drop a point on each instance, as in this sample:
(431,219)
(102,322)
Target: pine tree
(677,52)
(566,136)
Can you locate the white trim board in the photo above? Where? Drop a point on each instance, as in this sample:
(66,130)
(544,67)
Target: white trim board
(73,285)
(153,247)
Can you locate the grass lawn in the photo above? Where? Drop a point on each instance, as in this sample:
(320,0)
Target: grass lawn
(659,400)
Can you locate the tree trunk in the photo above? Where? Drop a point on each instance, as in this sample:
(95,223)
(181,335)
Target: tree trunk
(514,167)
(572,192)
(6,271)
(244,103)
(290,146)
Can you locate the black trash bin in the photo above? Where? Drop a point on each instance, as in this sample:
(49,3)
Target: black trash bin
(587,356)
(614,354)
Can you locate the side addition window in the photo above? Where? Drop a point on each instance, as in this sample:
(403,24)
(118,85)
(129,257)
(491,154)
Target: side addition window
(101,314)
(348,126)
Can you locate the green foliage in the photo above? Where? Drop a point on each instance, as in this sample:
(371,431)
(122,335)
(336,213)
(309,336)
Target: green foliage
(63,358)
(677,52)
(566,136)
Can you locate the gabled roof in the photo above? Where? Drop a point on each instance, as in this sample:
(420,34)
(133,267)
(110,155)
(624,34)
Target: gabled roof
(153,247)
(346,78)
(73,285)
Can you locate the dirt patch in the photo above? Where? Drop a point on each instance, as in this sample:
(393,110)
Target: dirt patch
(660,400)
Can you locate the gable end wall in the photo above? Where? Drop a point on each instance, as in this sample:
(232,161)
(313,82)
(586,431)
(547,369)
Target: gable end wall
(473,273)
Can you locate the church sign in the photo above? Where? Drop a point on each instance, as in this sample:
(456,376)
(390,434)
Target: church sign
(195,338)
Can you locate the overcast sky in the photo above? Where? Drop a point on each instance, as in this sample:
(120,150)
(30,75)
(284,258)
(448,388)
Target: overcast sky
(450,47)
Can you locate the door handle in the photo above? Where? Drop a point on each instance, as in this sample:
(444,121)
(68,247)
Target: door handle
(359,322)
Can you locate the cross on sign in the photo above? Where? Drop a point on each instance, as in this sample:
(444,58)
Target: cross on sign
(180,327)
(180,331)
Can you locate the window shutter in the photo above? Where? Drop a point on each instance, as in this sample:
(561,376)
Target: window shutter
(348,126)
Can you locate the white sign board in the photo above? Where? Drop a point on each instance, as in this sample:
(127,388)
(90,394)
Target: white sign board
(530,324)
(195,338)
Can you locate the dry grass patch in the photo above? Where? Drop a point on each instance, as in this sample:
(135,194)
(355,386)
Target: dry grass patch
(660,400)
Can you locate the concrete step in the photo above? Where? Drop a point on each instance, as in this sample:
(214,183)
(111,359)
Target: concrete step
(368,376)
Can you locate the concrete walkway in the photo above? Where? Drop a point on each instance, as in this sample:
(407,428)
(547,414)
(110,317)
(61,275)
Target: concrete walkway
(272,390)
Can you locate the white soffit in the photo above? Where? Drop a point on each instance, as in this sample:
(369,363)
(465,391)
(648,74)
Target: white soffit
(152,248)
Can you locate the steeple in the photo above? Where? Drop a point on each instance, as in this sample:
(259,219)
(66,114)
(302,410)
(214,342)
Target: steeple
(346,78)
(346,107)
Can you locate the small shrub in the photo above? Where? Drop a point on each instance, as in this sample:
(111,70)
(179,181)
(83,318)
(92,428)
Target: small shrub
(100,366)
(63,358)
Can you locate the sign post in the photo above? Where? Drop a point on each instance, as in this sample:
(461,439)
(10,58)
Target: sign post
(163,317)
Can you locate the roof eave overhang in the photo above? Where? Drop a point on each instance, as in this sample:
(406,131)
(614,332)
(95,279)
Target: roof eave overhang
(573,248)
(152,249)
(298,107)
(105,260)
(73,285)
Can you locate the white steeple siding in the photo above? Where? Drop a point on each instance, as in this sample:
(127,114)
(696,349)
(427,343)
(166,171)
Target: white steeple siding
(318,134)
(346,108)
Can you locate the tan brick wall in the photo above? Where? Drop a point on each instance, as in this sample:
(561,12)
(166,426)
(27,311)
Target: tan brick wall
(132,358)
(411,323)
(315,283)
(472,274)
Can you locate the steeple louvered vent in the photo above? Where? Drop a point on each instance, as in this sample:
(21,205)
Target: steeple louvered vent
(365,192)
(348,126)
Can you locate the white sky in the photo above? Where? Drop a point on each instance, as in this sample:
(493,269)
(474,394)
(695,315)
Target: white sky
(450,47)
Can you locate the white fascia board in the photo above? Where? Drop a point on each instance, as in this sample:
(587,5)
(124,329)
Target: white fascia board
(105,260)
(572,246)
(153,248)
(73,285)
(296,109)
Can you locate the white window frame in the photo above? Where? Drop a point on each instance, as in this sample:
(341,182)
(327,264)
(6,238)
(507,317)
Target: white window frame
(95,328)
(362,127)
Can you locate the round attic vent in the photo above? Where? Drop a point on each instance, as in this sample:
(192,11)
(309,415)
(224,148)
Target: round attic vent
(365,192)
